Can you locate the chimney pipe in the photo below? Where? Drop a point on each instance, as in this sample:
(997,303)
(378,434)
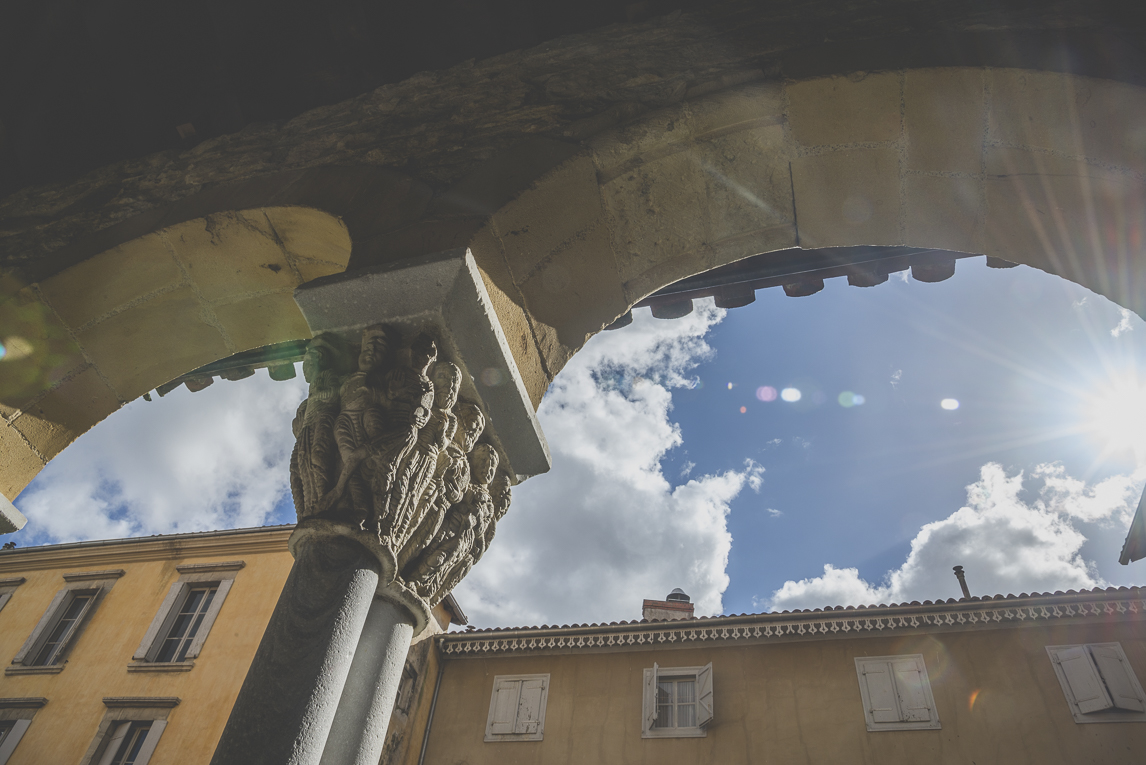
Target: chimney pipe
(962,581)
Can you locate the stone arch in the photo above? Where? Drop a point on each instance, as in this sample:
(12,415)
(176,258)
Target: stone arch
(1033,167)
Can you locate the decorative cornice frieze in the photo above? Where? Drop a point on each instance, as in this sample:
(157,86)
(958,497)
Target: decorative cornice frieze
(12,581)
(789,627)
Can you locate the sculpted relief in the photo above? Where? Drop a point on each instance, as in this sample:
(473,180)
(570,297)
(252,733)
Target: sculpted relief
(385,445)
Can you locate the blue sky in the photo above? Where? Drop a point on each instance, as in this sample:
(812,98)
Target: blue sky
(660,480)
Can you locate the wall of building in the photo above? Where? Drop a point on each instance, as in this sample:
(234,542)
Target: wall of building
(799,702)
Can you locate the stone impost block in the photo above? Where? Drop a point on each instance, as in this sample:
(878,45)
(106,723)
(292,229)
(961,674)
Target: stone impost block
(442,293)
(11,519)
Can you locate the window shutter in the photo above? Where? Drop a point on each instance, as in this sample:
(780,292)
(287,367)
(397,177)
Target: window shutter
(149,646)
(505,707)
(13,739)
(1082,677)
(704,696)
(529,706)
(1114,670)
(221,591)
(150,742)
(650,697)
(914,704)
(46,621)
(114,742)
(880,692)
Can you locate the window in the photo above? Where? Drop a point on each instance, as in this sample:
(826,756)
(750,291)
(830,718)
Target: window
(896,693)
(15,717)
(46,649)
(677,701)
(1098,682)
(130,731)
(178,631)
(7,587)
(517,708)
(406,689)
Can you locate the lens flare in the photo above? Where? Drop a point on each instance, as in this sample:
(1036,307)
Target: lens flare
(791,395)
(950,404)
(743,410)
(848,399)
(766,393)
(972,699)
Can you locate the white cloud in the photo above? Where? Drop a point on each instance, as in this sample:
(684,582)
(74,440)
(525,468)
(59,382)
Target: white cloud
(605,528)
(896,376)
(1124,324)
(687,468)
(774,512)
(186,462)
(1006,544)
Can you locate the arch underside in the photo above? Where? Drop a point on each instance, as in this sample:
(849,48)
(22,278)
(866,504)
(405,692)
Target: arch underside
(1040,168)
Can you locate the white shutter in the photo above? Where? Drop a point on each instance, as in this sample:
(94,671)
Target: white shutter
(650,697)
(12,739)
(914,701)
(160,625)
(704,696)
(529,706)
(1117,674)
(503,716)
(114,743)
(47,621)
(1083,680)
(881,695)
(150,742)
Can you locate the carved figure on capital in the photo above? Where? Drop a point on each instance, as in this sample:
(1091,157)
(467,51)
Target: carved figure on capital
(389,449)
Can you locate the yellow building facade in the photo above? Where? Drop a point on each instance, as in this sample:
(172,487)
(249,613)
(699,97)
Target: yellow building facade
(1031,679)
(133,651)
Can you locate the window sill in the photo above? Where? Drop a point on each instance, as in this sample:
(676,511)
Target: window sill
(922,725)
(493,738)
(167,666)
(675,733)
(54,669)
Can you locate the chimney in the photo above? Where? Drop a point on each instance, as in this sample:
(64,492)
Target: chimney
(676,606)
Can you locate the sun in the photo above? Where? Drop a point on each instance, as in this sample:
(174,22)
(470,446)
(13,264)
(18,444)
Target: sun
(1116,417)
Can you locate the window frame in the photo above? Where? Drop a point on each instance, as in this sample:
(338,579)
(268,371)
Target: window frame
(191,575)
(704,705)
(20,712)
(920,666)
(1111,714)
(537,735)
(121,713)
(96,583)
(8,589)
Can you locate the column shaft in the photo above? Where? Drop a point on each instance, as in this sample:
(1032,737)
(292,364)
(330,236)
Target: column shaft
(287,704)
(359,731)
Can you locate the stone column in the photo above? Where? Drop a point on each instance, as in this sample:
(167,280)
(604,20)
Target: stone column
(287,704)
(359,730)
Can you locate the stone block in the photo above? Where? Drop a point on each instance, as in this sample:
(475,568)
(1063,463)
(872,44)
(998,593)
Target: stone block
(1067,217)
(40,351)
(445,294)
(21,463)
(231,254)
(847,198)
(757,104)
(309,233)
(91,289)
(746,179)
(863,108)
(506,299)
(66,412)
(530,231)
(262,320)
(653,211)
(1075,116)
(577,291)
(944,212)
(943,119)
(153,342)
(659,134)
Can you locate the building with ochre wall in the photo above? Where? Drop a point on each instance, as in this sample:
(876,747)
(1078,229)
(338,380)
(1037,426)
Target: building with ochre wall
(132,651)
(1050,678)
